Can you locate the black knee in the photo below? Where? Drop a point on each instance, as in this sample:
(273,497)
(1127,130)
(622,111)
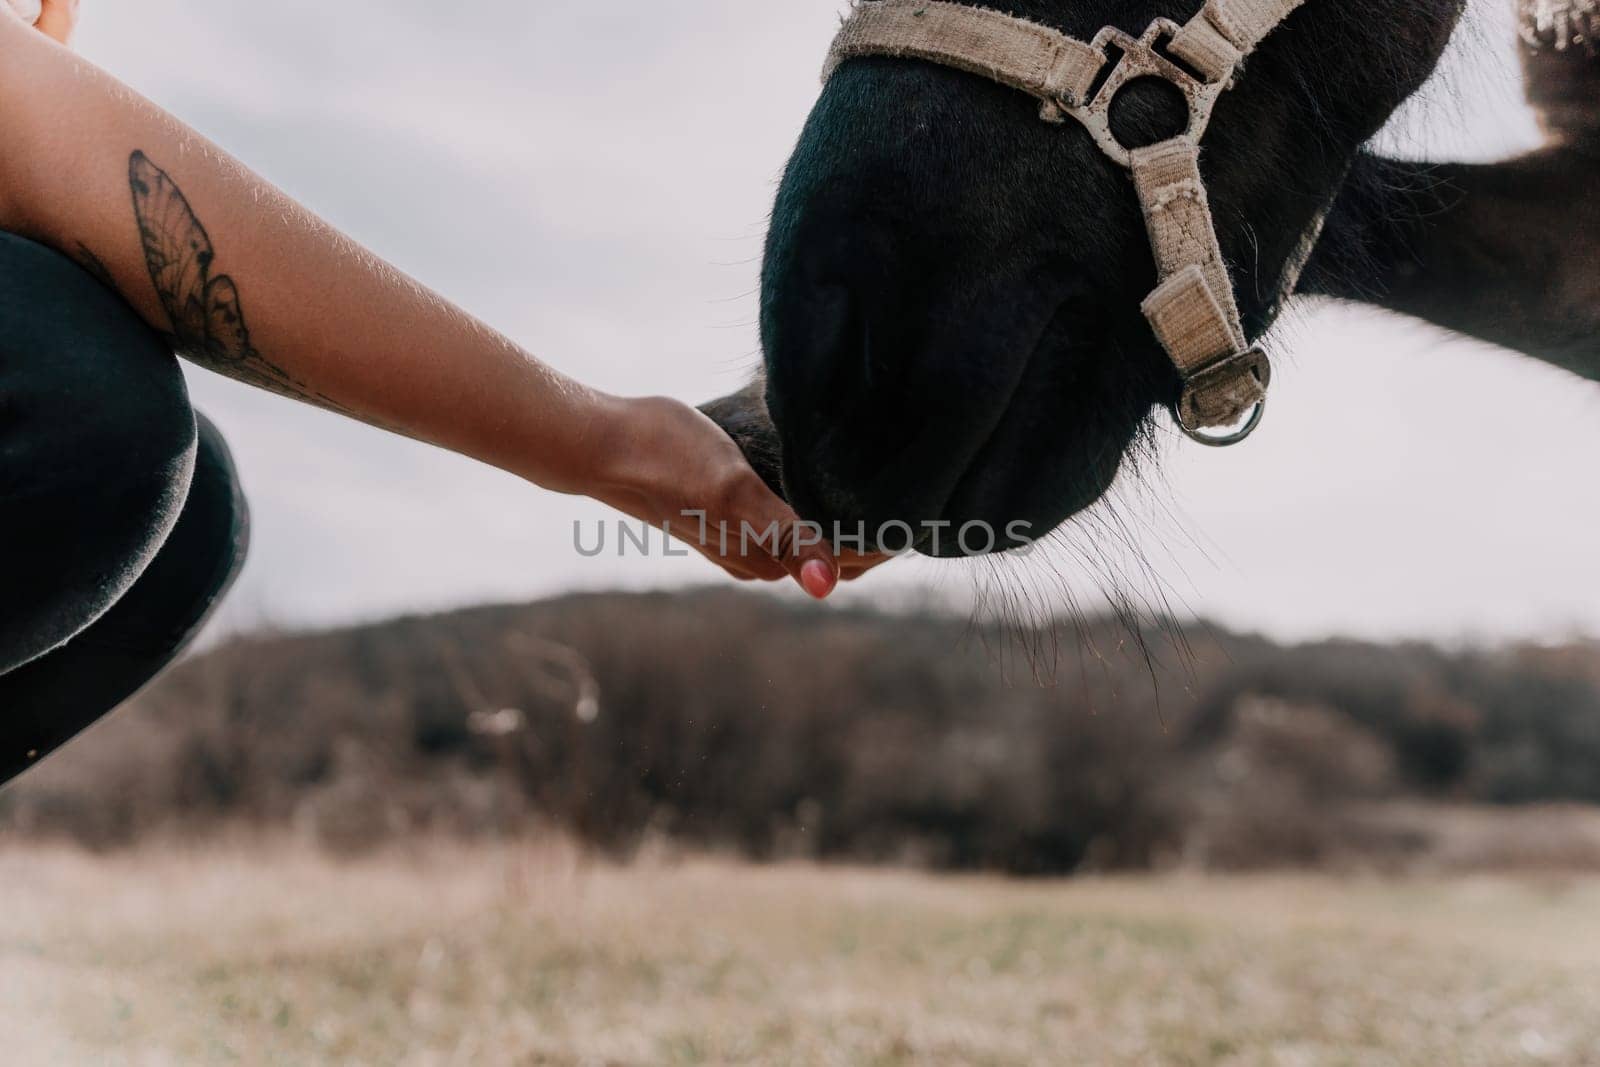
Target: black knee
(97,446)
(196,566)
(46,702)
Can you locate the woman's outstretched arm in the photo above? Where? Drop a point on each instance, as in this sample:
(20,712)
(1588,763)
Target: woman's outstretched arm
(250,284)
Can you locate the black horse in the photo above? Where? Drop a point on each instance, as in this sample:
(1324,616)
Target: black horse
(950,302)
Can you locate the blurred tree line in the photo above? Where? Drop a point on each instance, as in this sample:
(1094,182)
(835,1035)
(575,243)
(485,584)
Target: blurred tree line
(737,721)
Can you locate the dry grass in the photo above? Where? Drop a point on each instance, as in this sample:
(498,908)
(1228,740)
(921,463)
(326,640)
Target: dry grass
(270,954)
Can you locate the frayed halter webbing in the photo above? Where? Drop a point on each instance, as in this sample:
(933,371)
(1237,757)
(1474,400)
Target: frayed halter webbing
(1193,310)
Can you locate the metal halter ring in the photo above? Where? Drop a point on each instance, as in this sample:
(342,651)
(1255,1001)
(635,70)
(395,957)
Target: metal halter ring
(1199,435)
(1130,59)
(1227,376)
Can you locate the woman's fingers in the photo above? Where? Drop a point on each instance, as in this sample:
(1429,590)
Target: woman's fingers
(667,462)
(58,19)
(779,549)
(809,558)
(800,548)
(752,570)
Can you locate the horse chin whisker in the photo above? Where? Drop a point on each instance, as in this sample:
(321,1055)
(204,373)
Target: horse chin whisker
(1012,612)
(1031,603)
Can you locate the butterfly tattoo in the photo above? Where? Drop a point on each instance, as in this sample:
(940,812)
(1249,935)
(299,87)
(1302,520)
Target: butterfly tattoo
(203,307)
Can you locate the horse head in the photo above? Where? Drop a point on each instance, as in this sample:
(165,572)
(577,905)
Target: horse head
(950,308)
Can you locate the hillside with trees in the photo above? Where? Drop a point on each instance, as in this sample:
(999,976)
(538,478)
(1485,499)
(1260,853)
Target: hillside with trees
(738,722)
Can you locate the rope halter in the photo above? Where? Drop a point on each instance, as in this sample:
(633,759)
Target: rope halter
(1193,310)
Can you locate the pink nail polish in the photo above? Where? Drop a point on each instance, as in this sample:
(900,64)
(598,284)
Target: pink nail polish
(817,579)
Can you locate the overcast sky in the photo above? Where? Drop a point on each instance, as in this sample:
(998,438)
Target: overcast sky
(594,180)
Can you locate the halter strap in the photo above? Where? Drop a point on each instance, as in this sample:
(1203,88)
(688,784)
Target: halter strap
(1193,310)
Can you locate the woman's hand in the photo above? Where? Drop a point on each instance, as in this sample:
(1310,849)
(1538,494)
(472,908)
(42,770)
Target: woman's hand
(664,462)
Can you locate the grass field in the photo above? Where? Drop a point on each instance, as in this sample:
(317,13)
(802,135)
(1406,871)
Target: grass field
(270,954)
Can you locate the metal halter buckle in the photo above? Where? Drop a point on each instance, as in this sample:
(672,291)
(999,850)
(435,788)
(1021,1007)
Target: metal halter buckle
(1223,375)
(1132,60)
(1140,59)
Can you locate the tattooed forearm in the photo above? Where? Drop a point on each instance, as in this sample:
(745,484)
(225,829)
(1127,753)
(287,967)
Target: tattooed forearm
(207,319)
